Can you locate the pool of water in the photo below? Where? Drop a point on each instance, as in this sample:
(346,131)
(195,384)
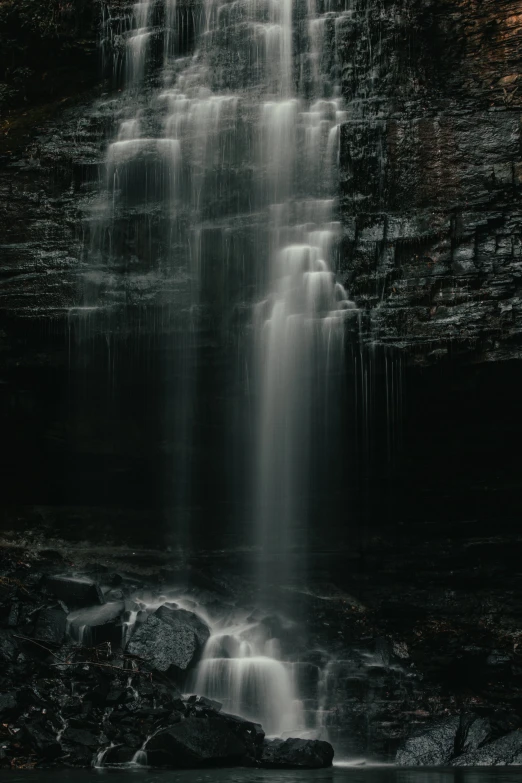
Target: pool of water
(337,774)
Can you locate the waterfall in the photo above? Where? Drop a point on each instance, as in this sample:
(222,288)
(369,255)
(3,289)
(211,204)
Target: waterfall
(299,325)
(219,196)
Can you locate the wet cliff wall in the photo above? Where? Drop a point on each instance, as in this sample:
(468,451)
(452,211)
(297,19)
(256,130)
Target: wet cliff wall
(430,165)
(432,173)
(430,204)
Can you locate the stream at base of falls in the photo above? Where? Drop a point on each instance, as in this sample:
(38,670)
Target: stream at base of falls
(245,664)
(336,774)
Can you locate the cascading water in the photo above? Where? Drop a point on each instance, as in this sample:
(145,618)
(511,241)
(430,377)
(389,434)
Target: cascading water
(222,177)
(242,667)
(300,324)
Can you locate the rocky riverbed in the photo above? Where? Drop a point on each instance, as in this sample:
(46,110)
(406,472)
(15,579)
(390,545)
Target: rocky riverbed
(90,674)
(91,678)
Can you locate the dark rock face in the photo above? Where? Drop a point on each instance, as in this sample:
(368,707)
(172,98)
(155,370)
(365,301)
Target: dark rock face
(429,216)
(74,591)
(429,199)
(474,733)
(82,737)
(50,625)
(296,754)
(431,173)
(64,37)
(202,701)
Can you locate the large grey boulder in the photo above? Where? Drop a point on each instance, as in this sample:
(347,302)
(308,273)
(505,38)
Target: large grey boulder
(199,740)
(506,751)
(432,747)
(170,638)
(181,618)
(296,754)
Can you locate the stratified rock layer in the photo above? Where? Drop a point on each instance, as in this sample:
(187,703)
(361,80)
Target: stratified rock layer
(431,172)
(431,167)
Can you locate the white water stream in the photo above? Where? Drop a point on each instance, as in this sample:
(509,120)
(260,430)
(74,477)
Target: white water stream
(239,137)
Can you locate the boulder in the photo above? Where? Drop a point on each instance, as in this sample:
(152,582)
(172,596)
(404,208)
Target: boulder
(163,646)
(74,590)
(296,754)
(199,740)
(432,747)
(181,618)
(98,624)
(251,734)
(50,625)
(168,639)
(506,751)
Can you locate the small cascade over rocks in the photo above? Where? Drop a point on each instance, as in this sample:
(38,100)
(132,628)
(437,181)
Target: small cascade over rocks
(243,686)
(242,660)
(242,667)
